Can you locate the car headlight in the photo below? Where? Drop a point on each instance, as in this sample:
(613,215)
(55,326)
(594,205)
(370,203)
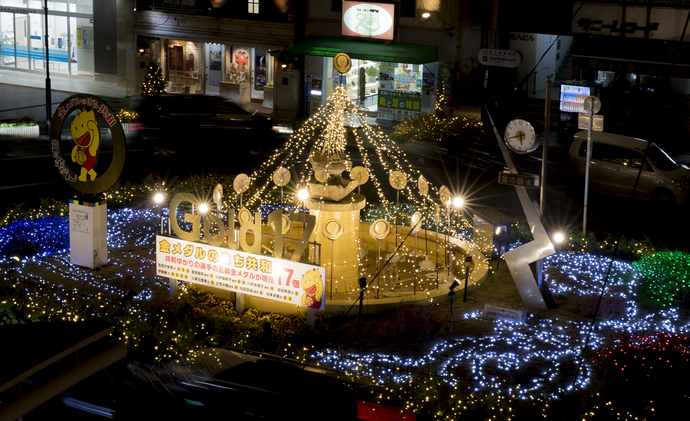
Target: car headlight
(682,184)
(282,129)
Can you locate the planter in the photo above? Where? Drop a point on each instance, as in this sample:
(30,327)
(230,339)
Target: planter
(24,131)
(130,129)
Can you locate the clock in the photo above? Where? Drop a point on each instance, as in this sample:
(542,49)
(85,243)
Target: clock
(218,195)
(423,185)
(241,183)
(520,137)
(397,180)
(360,175)
(444,195)
(281,176)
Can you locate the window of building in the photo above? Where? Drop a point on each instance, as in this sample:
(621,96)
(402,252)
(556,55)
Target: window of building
(407,8)
(253,6)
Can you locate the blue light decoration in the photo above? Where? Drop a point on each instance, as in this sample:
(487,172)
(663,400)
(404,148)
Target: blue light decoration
(531,362)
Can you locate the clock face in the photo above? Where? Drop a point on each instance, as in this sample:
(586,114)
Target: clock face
(360,175)
(281,176)
(397,180)
(520,136)
(241,183)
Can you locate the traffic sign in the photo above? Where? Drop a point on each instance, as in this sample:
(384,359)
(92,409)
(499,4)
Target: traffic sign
(520,180)
(499,58)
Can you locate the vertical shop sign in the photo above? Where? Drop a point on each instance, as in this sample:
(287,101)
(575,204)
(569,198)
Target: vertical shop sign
(307,93)
(79,38)
(428,81)
(260,72)
(446,75)
(399,106)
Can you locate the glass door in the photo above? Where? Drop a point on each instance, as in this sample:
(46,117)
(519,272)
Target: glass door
(36,42)
(8,58)
(21,33)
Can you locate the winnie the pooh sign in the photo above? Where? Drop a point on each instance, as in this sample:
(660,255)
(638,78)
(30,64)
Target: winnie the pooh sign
(89,115)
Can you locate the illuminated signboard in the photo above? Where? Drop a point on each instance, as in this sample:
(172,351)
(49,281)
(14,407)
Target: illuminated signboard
(369,20)
(399,106)
(245,273)
(573,98)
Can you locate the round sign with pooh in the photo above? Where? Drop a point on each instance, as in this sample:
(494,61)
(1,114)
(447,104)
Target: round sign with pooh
(89,117)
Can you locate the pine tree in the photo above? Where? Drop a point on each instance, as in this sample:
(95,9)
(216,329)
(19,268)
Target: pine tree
(154,84)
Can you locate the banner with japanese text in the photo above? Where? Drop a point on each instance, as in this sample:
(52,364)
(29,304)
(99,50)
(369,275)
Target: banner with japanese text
(399,105)
(258,275)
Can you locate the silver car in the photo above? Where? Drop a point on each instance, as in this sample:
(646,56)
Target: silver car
(617,161)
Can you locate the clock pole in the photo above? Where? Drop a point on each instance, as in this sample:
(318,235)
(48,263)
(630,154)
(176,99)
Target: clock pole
(544,161)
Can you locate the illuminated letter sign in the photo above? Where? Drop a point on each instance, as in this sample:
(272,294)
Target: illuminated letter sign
(369,20)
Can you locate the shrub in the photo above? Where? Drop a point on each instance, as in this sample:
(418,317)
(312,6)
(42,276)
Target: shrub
(19,122)
(665,277)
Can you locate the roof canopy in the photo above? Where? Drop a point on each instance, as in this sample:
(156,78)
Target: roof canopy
(369,50)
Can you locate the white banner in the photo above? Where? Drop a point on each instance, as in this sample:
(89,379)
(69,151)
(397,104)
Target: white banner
(258,275)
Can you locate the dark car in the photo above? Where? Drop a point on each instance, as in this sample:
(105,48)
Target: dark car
(212,118)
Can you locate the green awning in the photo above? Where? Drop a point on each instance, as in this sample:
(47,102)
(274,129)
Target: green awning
(368,50)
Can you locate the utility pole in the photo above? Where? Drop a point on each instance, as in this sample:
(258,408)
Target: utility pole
(544,161)
(47,54)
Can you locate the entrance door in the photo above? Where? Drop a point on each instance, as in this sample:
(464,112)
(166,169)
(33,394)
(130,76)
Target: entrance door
(8,58)
(36,43)
(213,68)
(21,34)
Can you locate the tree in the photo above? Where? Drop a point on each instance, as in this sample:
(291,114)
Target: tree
(154,84)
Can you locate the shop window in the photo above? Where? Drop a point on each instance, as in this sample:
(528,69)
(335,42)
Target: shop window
(253,6)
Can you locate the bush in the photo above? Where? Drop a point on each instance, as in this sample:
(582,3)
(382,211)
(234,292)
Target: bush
(665,277)
(19,122)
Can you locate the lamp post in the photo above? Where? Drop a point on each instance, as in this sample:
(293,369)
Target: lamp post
(158,198)
(499,233)
(303,195)
(451,294)
(48,88)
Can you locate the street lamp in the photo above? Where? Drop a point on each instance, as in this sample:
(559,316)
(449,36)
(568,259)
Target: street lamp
(500,232)
(303,195)
(158,198)
(458,203)
(558,239)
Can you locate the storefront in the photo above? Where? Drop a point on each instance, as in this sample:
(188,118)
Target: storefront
(70,35)
(239,73)
(394,81)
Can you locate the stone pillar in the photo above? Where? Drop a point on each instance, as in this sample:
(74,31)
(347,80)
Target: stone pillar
(345,249)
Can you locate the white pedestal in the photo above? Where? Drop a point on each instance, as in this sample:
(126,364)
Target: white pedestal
(268,96)
(235,92)
(88,232)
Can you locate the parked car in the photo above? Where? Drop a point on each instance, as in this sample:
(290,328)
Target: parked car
(621,162)
(195,116)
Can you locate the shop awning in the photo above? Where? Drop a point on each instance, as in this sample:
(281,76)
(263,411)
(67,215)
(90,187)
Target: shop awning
(368,50)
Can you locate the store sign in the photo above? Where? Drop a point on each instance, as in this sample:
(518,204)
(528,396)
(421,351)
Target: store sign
(369,20)
(399,106)
(245,273)
(499,58)
(628,20)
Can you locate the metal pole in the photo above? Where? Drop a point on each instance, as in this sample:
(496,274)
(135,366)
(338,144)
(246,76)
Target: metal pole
(589,159)
(544,161)
(415,263)
(448,235)
(48,93)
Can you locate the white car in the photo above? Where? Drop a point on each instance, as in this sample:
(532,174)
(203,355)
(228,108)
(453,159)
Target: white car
(619,162)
